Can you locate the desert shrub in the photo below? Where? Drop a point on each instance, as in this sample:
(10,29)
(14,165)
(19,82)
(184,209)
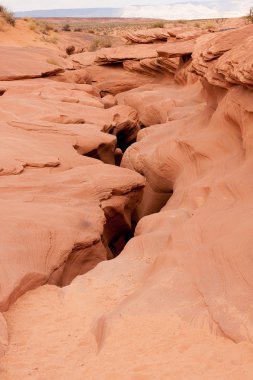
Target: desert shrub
(52,39)
(32,24)
(209,25)
(182,21)
(66,28)
(78,29)
(91,31)
(249,17)
(7,15)
(94,45)
(70,49)
(100,42)
(43,27)
(197,24)
(40,26)
(158,24)
(106,42)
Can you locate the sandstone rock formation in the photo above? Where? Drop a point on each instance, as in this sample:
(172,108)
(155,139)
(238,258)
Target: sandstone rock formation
(59,135)
(177,49)
(129,52)
(147,35)
(113,79)
(20,63)
(229,48)
(176,301)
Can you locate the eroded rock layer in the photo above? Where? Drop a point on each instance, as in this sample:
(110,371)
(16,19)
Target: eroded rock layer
(177,302)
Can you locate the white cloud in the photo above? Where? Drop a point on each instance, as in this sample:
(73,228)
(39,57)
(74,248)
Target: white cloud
(172,12)
(188,11)
(239,7)
(174,9)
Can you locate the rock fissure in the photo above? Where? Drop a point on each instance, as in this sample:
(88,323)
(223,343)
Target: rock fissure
(125,199)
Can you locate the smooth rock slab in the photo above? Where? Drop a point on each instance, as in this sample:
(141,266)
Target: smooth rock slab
(20,63)
(52,224)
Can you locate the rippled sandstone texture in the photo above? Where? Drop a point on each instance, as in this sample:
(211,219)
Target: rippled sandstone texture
(176,303)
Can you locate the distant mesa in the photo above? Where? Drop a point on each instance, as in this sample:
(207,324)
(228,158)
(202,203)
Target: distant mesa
(81,12)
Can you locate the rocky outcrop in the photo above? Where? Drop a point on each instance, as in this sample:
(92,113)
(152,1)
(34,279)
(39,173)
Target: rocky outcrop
(60,222)
(176,303)
(119,54)
(57,220)
(74,76)
(153,60)
(162,34)
(125,53)
(157,104)
(147,35)
(20,63)
(57,104)
(114,79)
(225,58)
(153,66)
(177,49)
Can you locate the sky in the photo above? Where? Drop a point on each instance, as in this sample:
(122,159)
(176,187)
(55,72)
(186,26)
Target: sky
(177,9)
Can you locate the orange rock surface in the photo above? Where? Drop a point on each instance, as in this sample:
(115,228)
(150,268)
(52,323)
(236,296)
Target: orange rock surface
(147,35)
(126,214)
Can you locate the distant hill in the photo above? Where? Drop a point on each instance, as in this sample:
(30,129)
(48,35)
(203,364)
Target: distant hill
(82,12)
(176,10)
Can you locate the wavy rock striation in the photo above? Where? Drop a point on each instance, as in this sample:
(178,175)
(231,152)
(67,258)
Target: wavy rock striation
(176,303)
(147,35)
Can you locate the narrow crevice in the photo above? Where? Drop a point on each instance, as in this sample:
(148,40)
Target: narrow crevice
(117,233)
(121,223)
(122,211)
(118,230)
(120,220)
(123,142)
(126,136)
(108,153)
(120,226)
(186,58)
